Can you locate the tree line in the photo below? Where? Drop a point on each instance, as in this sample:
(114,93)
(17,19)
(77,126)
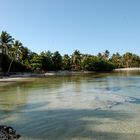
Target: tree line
(15,57)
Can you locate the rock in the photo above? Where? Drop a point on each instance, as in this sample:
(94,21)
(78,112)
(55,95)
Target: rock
(8,133)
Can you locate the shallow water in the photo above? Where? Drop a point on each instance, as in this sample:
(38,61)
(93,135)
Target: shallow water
(78,107)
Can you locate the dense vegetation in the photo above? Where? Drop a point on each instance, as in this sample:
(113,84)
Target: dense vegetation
(14,57)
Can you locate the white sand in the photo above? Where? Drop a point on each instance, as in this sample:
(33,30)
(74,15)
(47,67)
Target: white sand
(127,69)
(12,79)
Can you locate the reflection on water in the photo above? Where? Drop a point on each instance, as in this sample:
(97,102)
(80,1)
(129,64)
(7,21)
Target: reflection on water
(78,107)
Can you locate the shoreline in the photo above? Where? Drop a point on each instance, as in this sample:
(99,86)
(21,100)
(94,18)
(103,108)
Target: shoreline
(128,69)
(25,76)
(45,74)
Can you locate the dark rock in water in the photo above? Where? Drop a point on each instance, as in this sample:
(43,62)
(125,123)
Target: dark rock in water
(8,133)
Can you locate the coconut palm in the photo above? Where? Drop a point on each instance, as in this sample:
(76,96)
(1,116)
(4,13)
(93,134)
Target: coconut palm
(57,60)
(6,42)
(76,60)
(66,62)
(14,52)
(17,47)
(106,55)
(117,60)
(128,57)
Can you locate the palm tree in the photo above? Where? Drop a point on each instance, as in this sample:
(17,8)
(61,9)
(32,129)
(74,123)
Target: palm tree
(128,57)
(106,55)
(47,60)
(117,60)
(57,60)
(66,62)
(25,54)
(6,41)
(17,49)
(14,52)
(99,55)
(76,60)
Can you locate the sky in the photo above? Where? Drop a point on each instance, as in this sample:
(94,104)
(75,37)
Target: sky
(90,26)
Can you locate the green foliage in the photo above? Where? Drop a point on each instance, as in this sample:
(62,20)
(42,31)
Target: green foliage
(36,62)
(16,66)
(117,60)
(76,60)
(86,63)
(66,62)
(57,60)
(102,65)
(126,60)
(94,63)
(17,58)
(47,62)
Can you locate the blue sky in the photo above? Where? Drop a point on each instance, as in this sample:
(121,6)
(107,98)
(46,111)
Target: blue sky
(90,26)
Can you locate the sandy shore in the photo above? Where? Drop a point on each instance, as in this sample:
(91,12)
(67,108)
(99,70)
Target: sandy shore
(50,73)
(28,76)
(12,79)
(128,69)
(5,81)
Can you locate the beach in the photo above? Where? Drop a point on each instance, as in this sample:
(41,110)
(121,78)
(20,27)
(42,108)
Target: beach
(128,69)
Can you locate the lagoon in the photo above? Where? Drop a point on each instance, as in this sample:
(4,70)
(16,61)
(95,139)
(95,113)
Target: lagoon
(74,107)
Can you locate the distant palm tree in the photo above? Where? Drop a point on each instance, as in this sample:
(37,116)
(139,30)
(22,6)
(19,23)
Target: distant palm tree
(66,62)
(128,57)
(24,54)
(6,42)
(57,60)
(106,54)
(117,60)
(17,48)
(14,52)
(76,60)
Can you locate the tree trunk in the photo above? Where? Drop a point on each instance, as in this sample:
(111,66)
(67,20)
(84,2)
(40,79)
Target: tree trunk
(10,66)
(1,61)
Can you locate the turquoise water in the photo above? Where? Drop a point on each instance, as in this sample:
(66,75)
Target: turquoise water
(78,107)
